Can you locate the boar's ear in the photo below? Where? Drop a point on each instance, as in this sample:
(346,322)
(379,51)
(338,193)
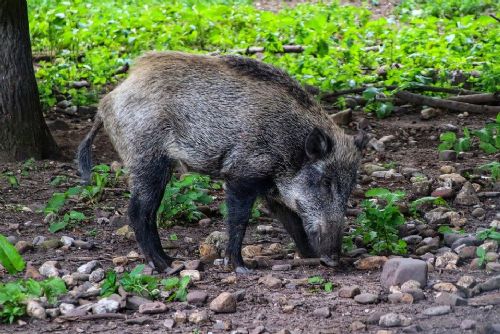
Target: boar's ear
(361,139)
(318,144)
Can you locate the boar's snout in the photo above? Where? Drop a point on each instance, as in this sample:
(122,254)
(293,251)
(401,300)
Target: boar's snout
(326,239)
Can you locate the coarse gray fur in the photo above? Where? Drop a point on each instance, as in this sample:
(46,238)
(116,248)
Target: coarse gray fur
(240,120)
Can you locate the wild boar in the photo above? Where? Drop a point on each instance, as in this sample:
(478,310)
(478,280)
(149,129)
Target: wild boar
(239,120)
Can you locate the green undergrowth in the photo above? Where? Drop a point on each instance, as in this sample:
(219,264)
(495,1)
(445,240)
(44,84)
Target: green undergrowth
(456,44)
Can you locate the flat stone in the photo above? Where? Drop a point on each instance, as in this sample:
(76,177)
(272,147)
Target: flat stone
(180,317)
(468,324)
(448,261)
(53,312)
(198,317)
(270,282)
(49,269)
(467,195)
(371,262)
(322,312)
(35,310)
(417,294)
(349,291)
(105,305)
(489,285)
(413,239)
(357,326)
(67,241)
(390,320)
(399,270)
(120,260)
(454,178)
(366,298)
(437,310)
(445,287)
(369,168)
(443,192)
(194,274)
(400,298)
(445,298)
(466,282)
(478,212)
(493,267)
(224,303)
(467,252)
(374,318)
(134,301)
(197,297)
(97,275)
(251,251)
(153,308)
(487,299)
(88,267)
(282,267)
(66,308)
(168,323)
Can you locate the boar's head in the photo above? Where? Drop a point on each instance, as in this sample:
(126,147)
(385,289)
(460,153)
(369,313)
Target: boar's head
(319,191)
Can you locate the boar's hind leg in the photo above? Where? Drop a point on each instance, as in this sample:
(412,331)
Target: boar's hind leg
(149,179)
(293,224)
(240,198)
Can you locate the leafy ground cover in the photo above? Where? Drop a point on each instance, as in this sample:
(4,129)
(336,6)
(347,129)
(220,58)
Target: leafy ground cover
(344,47)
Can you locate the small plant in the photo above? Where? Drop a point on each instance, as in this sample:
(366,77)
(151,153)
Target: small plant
(110,284)
(173,237)
(318,281)
(27,166)
(494,169)
(11,179)
(449,140)
(177,286)
(181,198)
(9,256)
(100,180)
(489,137)
(381,109)
(481,254)
(58,180)
(13,295)
(69,219)
(136,282)
(490,233)
(416,204)
(379,221)
(443,229)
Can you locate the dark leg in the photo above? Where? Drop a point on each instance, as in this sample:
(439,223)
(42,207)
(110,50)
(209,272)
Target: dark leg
(149,179)
(239,199)
(293,224)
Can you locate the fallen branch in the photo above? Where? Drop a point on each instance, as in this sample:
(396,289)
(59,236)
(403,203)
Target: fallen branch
(93,317)
(421,100)
(330,97)
(477,98)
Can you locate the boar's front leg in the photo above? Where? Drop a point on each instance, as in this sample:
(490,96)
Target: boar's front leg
(149,177)
(293,225)
(240,197)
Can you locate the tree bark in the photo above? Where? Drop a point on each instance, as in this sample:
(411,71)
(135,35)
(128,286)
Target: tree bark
(23,132)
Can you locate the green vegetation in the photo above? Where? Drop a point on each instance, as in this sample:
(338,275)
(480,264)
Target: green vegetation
(14,295)
(493,168)
(490,233)
(11,179)
(416,204)
(69,219)
(319,283)
(182,196)
(378,224)
(9,256)
(481,254)
(450,141)
(145,285)
(344,45)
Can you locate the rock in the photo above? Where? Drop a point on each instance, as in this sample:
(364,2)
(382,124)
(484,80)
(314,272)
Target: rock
(270,281)
(428,113)
(484,300)
(49,269)
(218,239)
(168,323)
(417,295)
(119,221)
(349,291)
(490,246)
(193,265)
(180,317)
(493,267)
(388,174)
(322,312)
(224,303)
(35,310)
(88,267)
(398,297)
(282,267)
(399,270)
(194,274)
(205,222)
(357,326)
(208,251)
(411,284)
(451,299)
(38,240)
(80,244)
(120,260)
(468,324)
(197,297)
(437,217)
(448,261)
(80,84)
(444,192)
(239,295)
(97,275)
(467,195)
(437,310)
(50,244)
(23,246)
(66,308)
(478,212)
(67,241)
(251,250)
(105,305)
(377,145)
(198,317)
(32,272)
(125,231)
(453,178)
(467,252)
(152,308)
(53,312)
(445,287)
(64,104)
(390,320)
(369,168)
(466,282)
(447,169)
(413,239)
(448,155)
(466,241)
(421,188)
(491,257)
(265,229)
(366,298)
(134,302)
(370,262)
(342,117)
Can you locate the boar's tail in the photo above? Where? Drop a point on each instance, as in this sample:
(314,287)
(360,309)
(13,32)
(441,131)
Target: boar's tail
(84,154)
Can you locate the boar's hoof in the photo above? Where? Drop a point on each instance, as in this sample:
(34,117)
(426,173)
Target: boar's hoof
(168,270)
(329,262)
(243,270)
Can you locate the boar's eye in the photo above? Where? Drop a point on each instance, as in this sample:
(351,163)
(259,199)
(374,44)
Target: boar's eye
(326,181)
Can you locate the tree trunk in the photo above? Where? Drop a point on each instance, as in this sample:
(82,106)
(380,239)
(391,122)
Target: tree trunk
(23,132)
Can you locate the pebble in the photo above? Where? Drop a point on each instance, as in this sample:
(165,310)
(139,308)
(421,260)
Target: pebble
(447,169)
(51,244)
(398,297)
(349,291)
(478,212)
(467,252)
(120,260)
(322,312)
(39,239)
(105,305)
(468,324)
(67,241)
(399,270)
(448,155)
(23,246)
(52,312)
(444,192)
(466,282)
(66,308)
(417,294)
(371,262)
(390,320)
(194,274)
(197,297)
(97,275)
(265,229)
(32,272)
(452,299)
(493,267)
(134,302)
(198,317)
(270,281)
(180,317)
(428,113)
(445,287)
(80,244)
(152,308)
(448,261)
(282,267)
(357,326)
(251,251)
(168,323)
(454,178)
(388,174)
(437,310)
(366,298)
(224,303)
(88,267)
(369,168)
(49,269)
(467,196)
(413,239)
(35,310)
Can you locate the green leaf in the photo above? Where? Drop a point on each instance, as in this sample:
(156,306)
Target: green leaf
(9,256)
(137,270)
(328,286)
(76,215)
(58,226)
(488,148)
(315,280)
(448,137)
(55,203)
(370,93)
(170,283)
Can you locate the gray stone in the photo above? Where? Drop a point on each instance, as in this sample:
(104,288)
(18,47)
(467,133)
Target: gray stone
(369,168)
(467,241)
(493,267)
(374,318)
(466,282)
(50,244)
(282,267)
(35,310)
(223,303)
(97,275)
(270,281)
(413,239)
(468,324)
(399,270)
(66,308)
(478,212)
(83,244)
(487,299)
(49,269)
(445,298)
(349,291)
(437,310)
(415,328)
(418,294)
(197,297)
(105,305)
(489,285)
(88,267)
(437,217)
(467,195)
(38,240)
(169,323)
(467,252)
(366,298)
(67,241)
(52,312)
(198,317)
(322,312)
(448,155)
(390,320)
(133,302)
(152,308)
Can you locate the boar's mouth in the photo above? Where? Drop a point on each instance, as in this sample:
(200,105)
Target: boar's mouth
(326,241)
